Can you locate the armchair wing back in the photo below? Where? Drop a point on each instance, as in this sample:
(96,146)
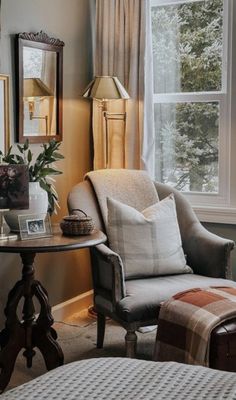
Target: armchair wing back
(134,303)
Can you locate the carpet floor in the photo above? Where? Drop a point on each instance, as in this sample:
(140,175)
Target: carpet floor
(77,338)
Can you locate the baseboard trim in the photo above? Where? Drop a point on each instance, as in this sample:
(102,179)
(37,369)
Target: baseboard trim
(76,304)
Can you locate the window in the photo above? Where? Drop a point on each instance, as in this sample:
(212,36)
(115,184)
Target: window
(191,76)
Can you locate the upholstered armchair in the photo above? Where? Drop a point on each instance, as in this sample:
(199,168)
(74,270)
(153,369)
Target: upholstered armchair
(135,302)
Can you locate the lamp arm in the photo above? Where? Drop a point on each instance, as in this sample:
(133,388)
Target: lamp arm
(35,117)
(115,116)
(39,117)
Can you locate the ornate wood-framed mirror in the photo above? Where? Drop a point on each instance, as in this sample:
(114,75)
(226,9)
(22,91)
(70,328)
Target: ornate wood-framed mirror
(39,83)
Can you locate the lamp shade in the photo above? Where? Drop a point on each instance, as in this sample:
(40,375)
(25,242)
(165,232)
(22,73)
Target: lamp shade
(105,88)
(34,87)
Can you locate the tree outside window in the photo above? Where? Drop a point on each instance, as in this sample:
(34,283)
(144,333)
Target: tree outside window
(187,66)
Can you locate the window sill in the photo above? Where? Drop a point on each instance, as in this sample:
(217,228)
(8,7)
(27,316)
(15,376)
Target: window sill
(218,215)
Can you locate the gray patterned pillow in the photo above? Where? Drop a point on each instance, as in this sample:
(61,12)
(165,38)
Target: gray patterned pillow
(148,242)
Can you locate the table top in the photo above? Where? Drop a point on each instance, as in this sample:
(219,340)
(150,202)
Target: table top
(55,243)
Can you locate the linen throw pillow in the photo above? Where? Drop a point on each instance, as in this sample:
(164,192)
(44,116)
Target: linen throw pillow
(148,242)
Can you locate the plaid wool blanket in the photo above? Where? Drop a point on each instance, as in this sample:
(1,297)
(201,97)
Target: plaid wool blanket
(186,321)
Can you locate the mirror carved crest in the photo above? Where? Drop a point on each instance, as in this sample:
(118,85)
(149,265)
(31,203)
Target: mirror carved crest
(39,87)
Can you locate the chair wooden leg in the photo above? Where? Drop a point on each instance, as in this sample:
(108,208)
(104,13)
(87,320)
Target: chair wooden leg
(101,323)
(131,344)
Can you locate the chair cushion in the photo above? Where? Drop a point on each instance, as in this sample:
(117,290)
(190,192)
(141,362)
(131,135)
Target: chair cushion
(148,242)
(143,296)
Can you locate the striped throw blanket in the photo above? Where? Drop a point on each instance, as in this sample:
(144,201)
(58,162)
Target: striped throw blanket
(186,321)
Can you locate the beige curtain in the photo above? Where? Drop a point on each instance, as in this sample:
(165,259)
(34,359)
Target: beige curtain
(120,43)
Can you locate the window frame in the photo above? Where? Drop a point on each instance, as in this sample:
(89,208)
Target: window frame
(221,206)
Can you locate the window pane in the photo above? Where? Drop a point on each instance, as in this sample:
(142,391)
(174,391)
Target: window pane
(187,46)
(187,145)
(32,62)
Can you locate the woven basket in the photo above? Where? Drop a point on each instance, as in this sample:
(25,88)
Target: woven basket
(75,224)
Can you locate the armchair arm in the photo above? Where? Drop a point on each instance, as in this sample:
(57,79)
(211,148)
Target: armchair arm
(207,253)
(108,272)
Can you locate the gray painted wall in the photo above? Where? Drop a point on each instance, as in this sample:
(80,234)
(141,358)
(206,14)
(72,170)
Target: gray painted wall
(64,275)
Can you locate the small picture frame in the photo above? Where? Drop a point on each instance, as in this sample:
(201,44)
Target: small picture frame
(34,226)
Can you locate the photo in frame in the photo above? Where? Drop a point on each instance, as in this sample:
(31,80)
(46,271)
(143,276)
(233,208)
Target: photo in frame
(34,226)
(14,187)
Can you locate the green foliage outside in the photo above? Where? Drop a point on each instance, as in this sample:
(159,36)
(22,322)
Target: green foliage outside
(187,51)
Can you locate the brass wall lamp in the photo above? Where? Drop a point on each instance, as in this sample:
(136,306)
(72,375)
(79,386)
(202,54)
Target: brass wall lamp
(35,88)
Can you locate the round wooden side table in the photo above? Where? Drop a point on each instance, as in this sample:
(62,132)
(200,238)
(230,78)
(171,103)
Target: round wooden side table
(29,332)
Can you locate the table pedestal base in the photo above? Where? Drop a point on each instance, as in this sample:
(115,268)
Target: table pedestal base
(29,332)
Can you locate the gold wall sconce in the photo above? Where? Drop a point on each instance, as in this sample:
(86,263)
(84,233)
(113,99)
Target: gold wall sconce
(35,88)
(105,88)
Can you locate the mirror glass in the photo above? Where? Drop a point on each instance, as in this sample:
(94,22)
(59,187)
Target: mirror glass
(39,92)
(39,88)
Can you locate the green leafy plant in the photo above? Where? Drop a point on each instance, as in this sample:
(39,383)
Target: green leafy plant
(41,169)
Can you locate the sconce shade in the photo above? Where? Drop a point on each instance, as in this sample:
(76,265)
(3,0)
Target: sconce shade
(105,88)
(34,87)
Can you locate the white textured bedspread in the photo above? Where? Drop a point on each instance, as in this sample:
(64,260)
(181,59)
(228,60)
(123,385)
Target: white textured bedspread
(126,379)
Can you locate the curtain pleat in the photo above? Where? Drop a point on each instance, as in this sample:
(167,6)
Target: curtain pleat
(120,50)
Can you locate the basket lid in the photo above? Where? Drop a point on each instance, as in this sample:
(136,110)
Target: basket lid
(76,217)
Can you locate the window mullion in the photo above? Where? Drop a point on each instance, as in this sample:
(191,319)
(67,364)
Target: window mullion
(188,97)
(154,3)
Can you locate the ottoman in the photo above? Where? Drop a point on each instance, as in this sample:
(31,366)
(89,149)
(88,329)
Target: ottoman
(223,346)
